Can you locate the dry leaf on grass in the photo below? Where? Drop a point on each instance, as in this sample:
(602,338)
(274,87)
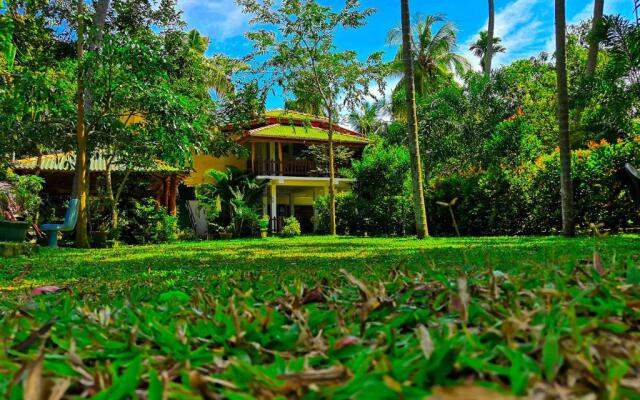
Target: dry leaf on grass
(468,392)
(33,385)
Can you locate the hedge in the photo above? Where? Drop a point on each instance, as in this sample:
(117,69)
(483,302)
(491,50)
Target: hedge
(526,200)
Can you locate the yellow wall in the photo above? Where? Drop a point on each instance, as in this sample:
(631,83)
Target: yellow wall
(203,163)
(305,192)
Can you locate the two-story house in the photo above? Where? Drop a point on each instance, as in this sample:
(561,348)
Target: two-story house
(276,146)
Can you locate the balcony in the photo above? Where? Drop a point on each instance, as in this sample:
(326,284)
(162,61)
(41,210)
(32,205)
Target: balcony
(302,168)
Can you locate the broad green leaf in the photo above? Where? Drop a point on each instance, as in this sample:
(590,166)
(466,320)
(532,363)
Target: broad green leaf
(552,358)
(125,384)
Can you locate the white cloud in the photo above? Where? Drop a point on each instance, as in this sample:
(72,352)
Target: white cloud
(610,7)
(218,19)
(520,25)
(527,27)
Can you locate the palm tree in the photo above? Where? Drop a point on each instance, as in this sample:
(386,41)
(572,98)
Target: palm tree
(566,186)
(479,49)
(366,119)
(197,42)
(433,54)
(592,59)
(229,185)
(488,57)
(408,56)
(219,68)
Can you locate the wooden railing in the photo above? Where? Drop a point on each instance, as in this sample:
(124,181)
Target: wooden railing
(285,168)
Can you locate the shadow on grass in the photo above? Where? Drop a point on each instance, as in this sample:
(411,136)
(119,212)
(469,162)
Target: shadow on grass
(221,265)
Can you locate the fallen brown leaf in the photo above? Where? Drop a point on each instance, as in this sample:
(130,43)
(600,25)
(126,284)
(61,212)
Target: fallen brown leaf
(467,392)
(333,375)
(22,346)
(314,295)
(59,389)
(33,385)
(597,263)
(346,341)
(426,344)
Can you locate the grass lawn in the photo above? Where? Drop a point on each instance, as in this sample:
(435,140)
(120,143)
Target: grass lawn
(321,317)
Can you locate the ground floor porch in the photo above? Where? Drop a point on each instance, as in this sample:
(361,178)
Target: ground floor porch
(295,196)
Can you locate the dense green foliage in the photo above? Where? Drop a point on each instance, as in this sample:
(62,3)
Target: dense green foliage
(19,197)
(524,200)
(233,199)
(380,200)
(148,224)
(291,228)
(405,317)
(513,195)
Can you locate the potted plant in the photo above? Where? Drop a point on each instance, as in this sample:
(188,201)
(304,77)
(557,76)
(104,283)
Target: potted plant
(19,203)
(226,232)
(263,224)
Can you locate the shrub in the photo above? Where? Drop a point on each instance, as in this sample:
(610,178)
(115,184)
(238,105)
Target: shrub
(233,192)
(19,197)
(390,215)
(150,224)
(245,219)
(526,200)
(380,203)
(513,142)
(291,227)
(263,223)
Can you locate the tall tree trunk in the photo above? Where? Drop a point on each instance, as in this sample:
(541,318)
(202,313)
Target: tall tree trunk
(332,177)
(81,181)
(488,54)
(594,45)
(412,126)
(81,184)
(95,42)
(566,186)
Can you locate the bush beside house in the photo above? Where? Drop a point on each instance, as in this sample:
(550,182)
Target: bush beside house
(495,201)
(526,200)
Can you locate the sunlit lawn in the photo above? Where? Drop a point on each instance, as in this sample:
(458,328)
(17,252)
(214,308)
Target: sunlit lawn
(322,317)
(212,264)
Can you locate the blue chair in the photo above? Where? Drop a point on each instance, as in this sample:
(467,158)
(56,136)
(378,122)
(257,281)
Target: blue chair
(69,224)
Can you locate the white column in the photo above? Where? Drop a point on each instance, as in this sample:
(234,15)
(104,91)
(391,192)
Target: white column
(274,201)
(265,202)
(273,166)
(315,197)
(292,206)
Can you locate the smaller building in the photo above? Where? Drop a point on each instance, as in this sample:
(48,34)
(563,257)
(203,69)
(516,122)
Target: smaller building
(161,181)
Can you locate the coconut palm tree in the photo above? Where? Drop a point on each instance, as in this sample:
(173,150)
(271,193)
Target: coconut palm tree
(220,68)
(408,56)
(366,119)
(197,41)
(594,46)
(488,56)
(480,47)
(434,44)
(566,186)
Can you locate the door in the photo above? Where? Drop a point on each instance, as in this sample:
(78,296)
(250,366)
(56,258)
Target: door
(304,214)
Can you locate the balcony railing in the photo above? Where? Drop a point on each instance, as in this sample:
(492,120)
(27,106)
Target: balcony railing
(286,168)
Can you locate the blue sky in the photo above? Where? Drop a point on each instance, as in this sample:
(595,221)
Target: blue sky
(526,26)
